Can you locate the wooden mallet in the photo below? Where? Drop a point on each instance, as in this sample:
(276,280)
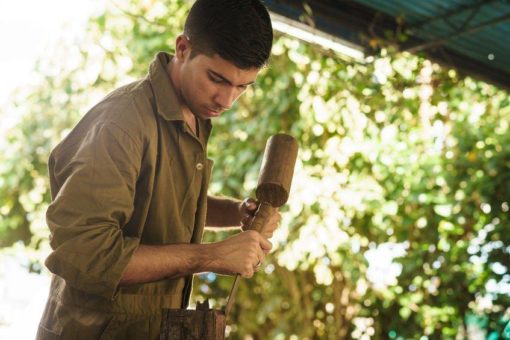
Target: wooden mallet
(273,187)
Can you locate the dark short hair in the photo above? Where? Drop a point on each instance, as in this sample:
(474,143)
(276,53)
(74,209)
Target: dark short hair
(239,31)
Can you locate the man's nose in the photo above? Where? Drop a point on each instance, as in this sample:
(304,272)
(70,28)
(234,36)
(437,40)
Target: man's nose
(226,97)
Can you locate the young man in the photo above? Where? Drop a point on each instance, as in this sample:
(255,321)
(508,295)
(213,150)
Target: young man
(129,185)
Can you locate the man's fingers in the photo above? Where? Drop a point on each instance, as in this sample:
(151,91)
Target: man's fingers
(247,219)
(248,274)
(258,264)
(265,244)
(250,206)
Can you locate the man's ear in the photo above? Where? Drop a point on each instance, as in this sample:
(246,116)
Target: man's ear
(182,47)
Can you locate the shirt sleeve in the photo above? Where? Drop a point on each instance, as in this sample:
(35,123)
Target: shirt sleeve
(96,177)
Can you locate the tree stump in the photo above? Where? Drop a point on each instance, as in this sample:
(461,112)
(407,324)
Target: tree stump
(202,323)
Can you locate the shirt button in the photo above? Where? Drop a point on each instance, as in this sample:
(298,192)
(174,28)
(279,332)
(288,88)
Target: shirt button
(200,166)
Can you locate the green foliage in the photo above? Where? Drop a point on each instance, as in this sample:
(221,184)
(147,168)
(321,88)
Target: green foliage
(395,153)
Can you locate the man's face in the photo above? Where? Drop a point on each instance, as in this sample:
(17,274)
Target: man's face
(211,85)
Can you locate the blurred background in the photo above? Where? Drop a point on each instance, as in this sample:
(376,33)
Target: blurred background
(397,225)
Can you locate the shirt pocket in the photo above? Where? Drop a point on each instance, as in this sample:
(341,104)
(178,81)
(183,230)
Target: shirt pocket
(61,321)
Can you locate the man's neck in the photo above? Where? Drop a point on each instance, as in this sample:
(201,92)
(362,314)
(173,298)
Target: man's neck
(189,117)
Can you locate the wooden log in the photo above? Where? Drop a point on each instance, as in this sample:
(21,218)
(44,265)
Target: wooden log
(277,170)
(275,176)
(200,324)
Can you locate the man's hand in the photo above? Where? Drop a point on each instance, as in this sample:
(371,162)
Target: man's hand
(247,209)
(241,254)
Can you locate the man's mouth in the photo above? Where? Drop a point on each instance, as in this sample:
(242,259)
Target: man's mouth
(213,113)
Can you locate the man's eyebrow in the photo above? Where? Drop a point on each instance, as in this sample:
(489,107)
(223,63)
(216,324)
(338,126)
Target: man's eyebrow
(216,74)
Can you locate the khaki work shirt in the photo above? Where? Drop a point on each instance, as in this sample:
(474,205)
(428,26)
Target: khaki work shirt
(131,172)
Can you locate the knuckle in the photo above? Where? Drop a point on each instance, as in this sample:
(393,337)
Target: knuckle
(248,271)
(253,256)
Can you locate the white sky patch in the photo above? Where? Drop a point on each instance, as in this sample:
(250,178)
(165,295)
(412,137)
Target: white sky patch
(382,271)
(23,297)
(28,29)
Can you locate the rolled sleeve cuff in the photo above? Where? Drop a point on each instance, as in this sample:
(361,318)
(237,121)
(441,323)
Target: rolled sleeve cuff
(103,282)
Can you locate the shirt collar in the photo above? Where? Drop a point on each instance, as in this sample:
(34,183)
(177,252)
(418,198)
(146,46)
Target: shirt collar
(167,101)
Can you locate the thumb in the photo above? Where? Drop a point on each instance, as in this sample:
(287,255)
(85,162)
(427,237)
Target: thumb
(250,204)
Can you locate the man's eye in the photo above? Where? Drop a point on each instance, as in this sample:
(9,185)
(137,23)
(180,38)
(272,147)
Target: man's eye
(215,80)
